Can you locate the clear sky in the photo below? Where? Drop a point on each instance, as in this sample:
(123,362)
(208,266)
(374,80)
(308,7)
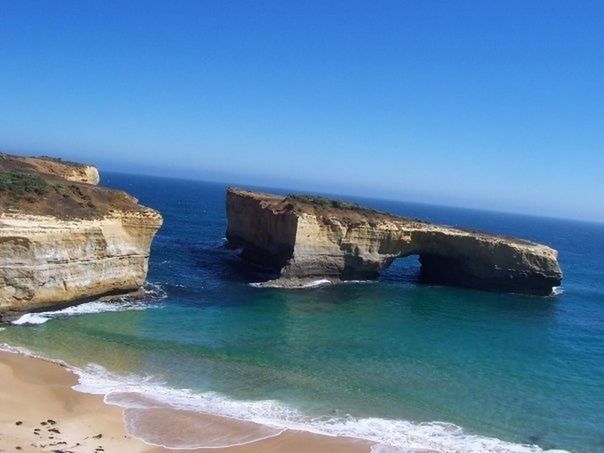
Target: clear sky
(488,104)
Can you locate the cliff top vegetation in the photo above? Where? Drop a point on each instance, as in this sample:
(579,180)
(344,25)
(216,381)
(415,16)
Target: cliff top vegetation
(349,211)
(31,193)
(41,165)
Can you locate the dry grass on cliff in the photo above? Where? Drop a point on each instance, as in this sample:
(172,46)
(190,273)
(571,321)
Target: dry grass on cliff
(350,212)
(40,165)
(59,160)
(30,193)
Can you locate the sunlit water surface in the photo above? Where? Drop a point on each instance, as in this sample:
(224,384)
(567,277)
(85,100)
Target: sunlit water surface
(379,357)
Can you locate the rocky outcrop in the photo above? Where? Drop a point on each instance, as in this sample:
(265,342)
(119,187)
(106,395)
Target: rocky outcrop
(62,241)
(309,238)
(47,261)
(49,166)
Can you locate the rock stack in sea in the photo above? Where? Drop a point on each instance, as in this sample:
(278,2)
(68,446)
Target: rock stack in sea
(305,238)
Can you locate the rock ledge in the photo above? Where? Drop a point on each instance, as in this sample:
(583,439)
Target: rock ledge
(63,239)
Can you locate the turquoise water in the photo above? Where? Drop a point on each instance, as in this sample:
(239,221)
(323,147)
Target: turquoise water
(382,360)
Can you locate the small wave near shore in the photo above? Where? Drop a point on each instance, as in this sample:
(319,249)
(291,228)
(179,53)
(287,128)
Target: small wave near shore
(148,404)
(152,294)
(153,411)
(139,394)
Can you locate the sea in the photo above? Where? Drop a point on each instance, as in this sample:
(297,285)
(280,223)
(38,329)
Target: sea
(406,366)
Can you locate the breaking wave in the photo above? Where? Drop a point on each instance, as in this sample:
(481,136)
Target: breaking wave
(557,290)
(288,285)
(139,396)
(136,393)
(306,284)
(151,295)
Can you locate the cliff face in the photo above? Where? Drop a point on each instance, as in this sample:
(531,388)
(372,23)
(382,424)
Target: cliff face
(307,239)
(70,171)
(62,241)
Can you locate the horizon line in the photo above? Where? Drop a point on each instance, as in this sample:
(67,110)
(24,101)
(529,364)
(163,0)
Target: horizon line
(385,198)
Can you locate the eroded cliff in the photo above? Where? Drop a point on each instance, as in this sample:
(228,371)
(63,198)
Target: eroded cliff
(306,238)
(64,240)
(49,166)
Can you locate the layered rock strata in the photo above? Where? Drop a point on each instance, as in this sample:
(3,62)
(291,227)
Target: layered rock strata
(63,240)
(309,238)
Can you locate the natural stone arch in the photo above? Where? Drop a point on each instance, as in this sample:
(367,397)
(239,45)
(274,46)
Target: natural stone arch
(402,268)
(305,239)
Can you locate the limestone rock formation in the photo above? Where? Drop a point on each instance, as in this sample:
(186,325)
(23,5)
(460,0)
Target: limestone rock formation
(71,171)
(63,239)
(308,238)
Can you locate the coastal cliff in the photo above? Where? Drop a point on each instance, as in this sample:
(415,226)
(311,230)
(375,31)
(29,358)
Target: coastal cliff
(50,166)
(309,238)
(65,239)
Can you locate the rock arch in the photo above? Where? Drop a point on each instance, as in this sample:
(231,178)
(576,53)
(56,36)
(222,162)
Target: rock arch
(306,238)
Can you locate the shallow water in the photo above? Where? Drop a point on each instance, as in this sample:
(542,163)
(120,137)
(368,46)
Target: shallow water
(382,360)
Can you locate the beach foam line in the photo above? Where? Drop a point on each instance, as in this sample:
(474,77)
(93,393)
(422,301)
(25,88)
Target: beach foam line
(152,294)
(179,429)
(136,393)
(142,393)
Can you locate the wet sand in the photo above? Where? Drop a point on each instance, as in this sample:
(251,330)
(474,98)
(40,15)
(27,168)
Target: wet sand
(39,411)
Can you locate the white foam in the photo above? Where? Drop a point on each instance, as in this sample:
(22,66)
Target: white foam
(309,284)
(26,352)
(31,319)
(316,283)
(136,392)
(557,290)
(153,293)
(82,309)
(288,285)
(390,436)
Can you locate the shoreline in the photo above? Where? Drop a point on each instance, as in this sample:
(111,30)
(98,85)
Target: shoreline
(42,412)
(37,390)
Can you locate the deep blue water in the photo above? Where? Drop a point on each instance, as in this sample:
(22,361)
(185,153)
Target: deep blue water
(526,370)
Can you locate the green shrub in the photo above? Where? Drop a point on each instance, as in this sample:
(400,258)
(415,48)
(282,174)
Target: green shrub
(59,160)
(326,203)
(22,184)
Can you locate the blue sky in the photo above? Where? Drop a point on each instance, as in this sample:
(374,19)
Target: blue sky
(496,105)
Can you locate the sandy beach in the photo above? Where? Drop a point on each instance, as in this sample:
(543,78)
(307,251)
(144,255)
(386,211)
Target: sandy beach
(39,411)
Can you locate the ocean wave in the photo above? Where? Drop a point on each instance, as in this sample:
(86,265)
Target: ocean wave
(141,393)
(557,290)
(136,393)
(315,283)
(290,285)
(152,294)
(306,284)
